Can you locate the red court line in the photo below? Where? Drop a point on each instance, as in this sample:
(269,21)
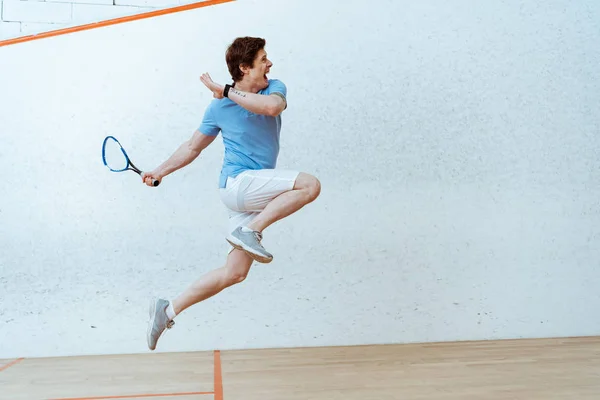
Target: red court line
(218,376)
(10,364)
(135,396)
(113,21)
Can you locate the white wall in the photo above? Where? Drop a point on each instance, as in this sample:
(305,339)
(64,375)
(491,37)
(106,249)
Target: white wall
(458,148)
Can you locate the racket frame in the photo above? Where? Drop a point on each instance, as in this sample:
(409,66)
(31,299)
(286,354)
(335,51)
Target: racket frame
(130,166)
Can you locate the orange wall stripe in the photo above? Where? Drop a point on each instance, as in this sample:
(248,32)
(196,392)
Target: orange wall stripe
(10,364)
(218,377)
(114,21)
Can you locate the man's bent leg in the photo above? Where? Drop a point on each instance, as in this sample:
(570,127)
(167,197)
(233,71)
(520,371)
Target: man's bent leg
(306,189)
(270,195)
(247,195)
(162,312)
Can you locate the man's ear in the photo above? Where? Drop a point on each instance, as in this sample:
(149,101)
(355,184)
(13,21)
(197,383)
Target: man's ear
(244,68)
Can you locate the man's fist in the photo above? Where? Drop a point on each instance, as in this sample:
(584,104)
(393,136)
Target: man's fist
(151,178)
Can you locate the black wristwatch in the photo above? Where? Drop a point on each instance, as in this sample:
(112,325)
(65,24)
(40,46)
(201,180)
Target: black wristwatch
(226,90)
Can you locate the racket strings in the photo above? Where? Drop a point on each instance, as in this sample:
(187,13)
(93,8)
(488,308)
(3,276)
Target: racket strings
(114,156)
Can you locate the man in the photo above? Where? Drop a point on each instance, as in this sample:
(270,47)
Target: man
(248,114)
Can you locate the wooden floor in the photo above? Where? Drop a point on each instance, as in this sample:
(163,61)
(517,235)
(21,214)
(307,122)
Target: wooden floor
(494,370)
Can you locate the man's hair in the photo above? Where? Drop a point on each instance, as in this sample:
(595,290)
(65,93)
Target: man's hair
(242,51)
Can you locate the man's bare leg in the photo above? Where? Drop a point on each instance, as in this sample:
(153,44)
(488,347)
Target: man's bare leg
(233,272)
(306,189)
(162,312)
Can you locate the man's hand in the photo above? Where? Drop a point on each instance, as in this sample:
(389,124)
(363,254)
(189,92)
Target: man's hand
(212,86)
(148,177)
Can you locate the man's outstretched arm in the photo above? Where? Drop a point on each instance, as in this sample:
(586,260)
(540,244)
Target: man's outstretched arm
(265,104)
(187,152)
(271,105)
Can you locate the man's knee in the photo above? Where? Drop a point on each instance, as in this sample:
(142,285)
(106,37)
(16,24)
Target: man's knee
(314,188)
(235,277)
(236,274)
(310,184)
(238,266)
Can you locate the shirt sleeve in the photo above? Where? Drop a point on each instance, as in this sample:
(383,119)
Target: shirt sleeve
(279,88)
(209,124)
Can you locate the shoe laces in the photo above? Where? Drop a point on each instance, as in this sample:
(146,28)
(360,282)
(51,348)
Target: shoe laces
(170,322)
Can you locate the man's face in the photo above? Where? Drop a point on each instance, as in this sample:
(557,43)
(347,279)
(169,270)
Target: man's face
(257,75)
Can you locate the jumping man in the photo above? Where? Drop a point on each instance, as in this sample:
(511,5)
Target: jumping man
(256,194)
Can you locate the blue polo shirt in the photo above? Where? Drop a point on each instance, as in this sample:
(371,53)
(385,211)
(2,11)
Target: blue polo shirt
(251,140)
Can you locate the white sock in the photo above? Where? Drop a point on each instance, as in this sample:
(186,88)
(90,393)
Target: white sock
(170,311)
(246,229)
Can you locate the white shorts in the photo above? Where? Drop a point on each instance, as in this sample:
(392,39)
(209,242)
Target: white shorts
(246,195)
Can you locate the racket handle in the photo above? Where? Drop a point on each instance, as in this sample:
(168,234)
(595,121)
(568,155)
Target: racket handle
(155,182)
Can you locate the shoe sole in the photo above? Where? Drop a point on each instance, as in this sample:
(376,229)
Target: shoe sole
(152,315)
(240,246)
